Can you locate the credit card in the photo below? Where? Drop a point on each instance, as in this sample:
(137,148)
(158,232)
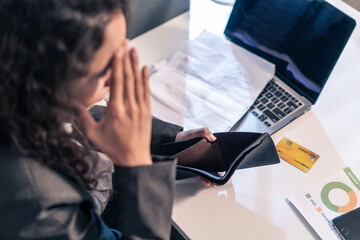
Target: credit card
(296,155)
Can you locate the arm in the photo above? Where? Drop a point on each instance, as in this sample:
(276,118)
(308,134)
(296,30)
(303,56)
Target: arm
(143,197)
(59,208)
(162,132)
(25,219)
(124,134)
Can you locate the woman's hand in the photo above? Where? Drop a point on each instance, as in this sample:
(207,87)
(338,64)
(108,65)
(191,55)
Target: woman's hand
(195,133)
(124,132)
(206,182)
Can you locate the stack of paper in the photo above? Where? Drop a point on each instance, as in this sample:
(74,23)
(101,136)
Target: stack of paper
(208,82)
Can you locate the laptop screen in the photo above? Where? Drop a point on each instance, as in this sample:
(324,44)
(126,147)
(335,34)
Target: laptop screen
(303,38)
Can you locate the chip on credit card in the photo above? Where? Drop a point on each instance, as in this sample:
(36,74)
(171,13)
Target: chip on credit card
(296,155)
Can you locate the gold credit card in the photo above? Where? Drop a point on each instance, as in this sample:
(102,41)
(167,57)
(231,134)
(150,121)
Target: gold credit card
(296,155)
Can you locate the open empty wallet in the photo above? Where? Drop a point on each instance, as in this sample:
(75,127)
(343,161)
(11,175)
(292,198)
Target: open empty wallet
(231,151)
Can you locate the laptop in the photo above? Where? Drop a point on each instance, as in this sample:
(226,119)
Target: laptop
(304,39)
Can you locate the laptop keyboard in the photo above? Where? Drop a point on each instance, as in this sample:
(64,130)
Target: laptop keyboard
(273,104)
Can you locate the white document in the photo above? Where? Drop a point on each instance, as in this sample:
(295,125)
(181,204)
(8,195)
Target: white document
(202,86)
(257,68)
(331,197)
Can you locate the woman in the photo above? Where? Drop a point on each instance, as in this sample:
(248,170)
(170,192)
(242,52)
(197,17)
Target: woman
(57,58)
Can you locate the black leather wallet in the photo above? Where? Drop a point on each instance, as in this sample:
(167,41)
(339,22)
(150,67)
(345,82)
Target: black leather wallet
(231,151)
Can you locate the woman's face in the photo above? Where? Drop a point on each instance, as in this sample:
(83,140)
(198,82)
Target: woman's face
(93,87)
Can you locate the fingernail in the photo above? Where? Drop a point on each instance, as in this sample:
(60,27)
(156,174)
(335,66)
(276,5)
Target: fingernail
(134,52)
(120,53)
(212,137)
(145,71)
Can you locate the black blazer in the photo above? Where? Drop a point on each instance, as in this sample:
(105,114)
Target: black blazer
(39,203)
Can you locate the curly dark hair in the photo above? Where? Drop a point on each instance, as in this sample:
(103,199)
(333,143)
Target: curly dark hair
(45,45)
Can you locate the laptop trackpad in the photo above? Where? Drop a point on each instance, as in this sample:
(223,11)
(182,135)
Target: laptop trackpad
(250,123)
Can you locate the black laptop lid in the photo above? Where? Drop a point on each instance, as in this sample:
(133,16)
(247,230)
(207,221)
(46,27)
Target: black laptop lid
(303,38)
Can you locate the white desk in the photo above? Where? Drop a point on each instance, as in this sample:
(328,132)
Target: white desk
(252,205)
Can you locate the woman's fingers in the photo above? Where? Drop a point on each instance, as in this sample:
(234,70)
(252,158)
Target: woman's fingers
(201,132)
(146,89)
(139,86)
(206,182)
(129,86)
(126,125)
(129,82)
(117,79)
(207,134)
(141,81)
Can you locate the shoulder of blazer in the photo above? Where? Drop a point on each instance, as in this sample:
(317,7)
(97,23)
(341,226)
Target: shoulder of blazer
(26,179)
